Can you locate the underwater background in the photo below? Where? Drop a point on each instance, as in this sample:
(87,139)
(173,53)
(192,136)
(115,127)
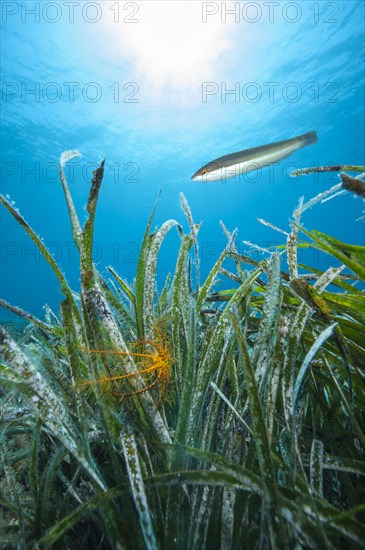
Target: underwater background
(159,89)
(203,387)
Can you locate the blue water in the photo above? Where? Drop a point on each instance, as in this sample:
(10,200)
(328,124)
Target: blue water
(147,87)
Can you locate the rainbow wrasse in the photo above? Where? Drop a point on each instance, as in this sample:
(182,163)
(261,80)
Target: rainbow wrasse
(247,160)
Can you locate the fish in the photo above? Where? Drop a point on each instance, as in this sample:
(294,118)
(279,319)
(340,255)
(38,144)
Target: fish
(247,160)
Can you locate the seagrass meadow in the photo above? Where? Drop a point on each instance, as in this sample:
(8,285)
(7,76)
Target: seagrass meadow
(189,417)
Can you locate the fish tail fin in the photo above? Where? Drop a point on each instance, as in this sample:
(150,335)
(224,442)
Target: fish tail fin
(307,139)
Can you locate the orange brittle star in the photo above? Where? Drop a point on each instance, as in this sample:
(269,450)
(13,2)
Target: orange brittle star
(157,362)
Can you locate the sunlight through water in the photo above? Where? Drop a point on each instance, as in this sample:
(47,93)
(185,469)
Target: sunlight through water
(170,46)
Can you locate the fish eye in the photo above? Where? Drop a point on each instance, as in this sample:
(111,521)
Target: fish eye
(203,171)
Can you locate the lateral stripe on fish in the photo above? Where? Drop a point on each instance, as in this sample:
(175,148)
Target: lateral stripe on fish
(247,160)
